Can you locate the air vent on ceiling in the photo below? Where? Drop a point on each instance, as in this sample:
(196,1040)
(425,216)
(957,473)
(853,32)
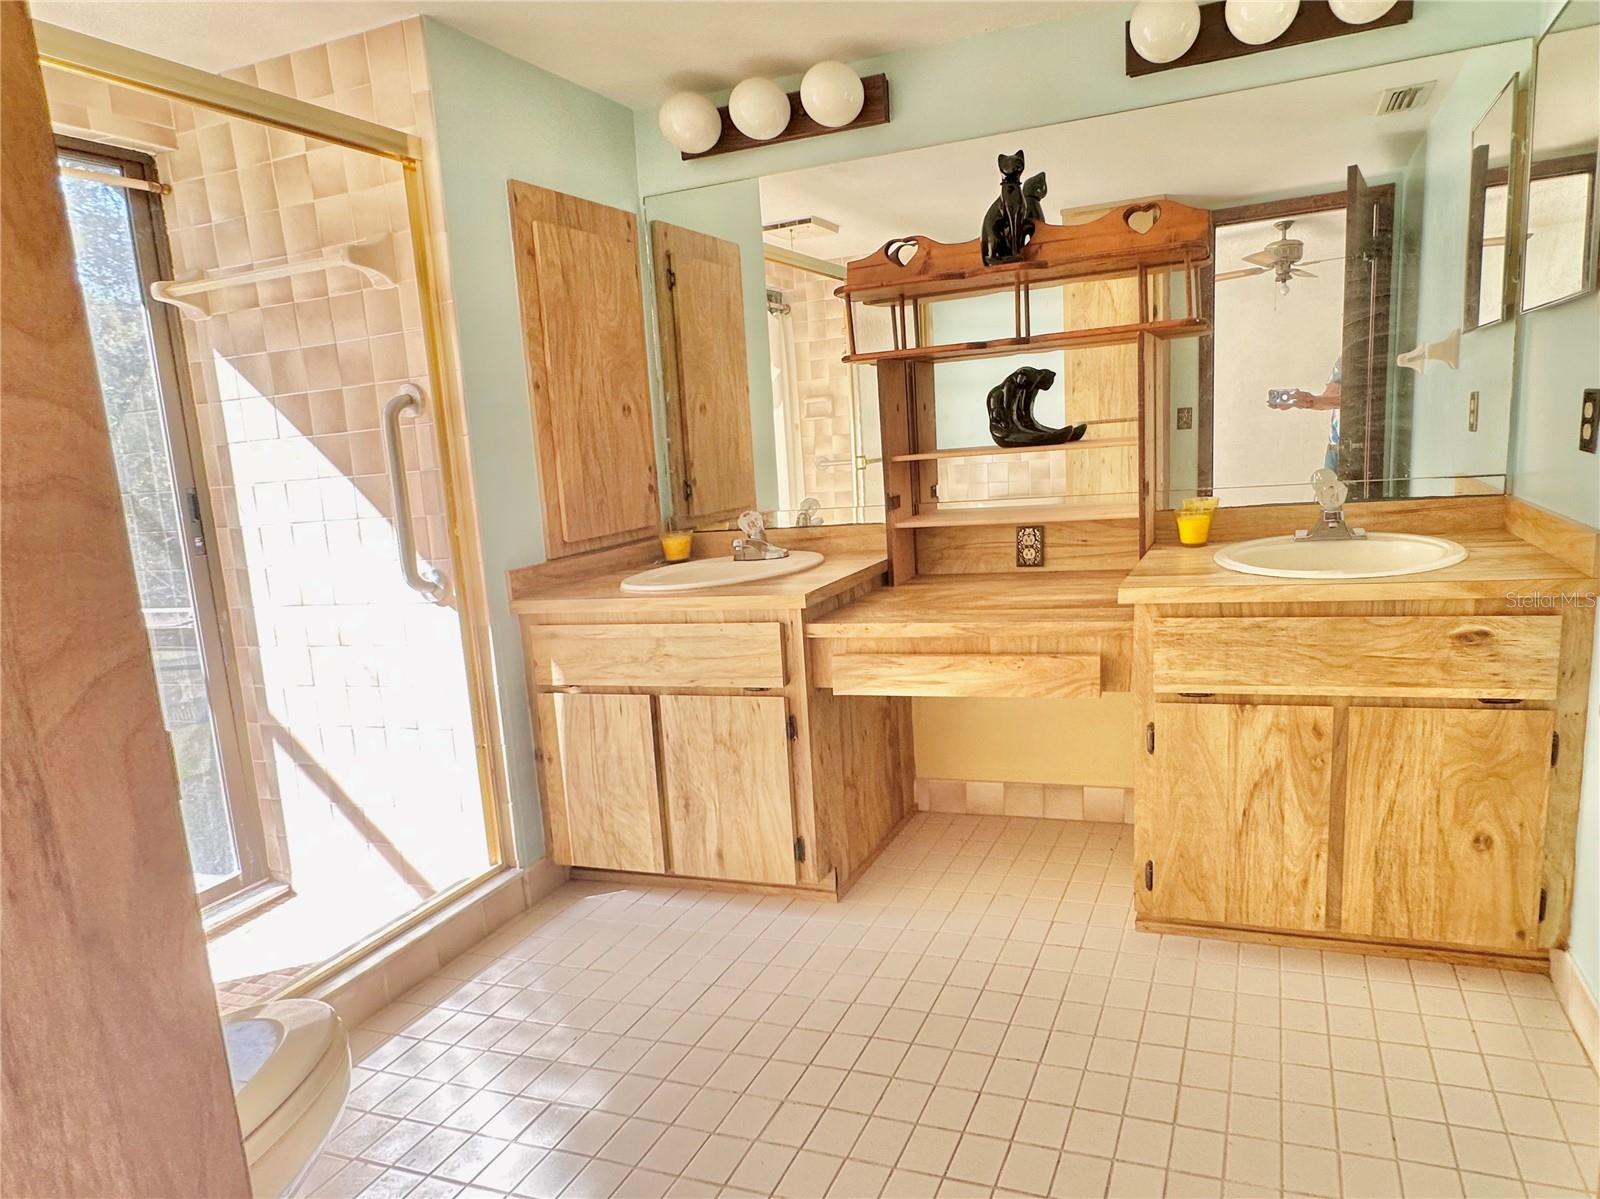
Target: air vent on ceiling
(1404,99)
(806,226)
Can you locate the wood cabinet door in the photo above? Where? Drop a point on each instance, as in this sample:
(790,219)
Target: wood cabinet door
(583,340)
(1444,825)
(700,312)
(601,791)
(725,775)
(1235,827)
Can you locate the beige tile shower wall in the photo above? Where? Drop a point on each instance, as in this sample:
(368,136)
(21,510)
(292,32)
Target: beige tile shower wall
(823,383)
(1003,477)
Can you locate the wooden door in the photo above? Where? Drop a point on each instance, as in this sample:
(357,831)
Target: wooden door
(1444,825)
(700,313)
(601,788)
(1234,824)
(583,340)
(113,1079)
(1364,356)
(725,775)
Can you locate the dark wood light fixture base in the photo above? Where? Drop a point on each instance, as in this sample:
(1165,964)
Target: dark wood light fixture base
(874,111)
(1314,22)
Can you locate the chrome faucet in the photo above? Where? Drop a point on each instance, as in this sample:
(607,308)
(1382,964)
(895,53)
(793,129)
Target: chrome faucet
(1331,493)
(754,546)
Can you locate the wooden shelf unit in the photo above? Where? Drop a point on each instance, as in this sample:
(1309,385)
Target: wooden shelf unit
(1121,271)
(1058,512)
(994,451)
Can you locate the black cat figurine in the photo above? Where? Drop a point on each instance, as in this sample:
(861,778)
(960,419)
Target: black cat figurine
(1011,420)
(1006,226)
(1033,193)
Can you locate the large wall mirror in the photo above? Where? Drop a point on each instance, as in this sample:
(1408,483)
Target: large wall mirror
(1335,301)
(1561,259)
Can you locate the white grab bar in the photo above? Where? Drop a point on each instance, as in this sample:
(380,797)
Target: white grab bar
(423,579)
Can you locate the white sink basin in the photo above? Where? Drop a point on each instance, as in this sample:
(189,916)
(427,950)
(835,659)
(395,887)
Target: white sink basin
(701,573)
(1375,556)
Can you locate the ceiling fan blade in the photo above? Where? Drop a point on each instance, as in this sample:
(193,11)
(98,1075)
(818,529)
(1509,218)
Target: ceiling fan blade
(1261,258)
(1303,274)
(1255,270)
(1314,261)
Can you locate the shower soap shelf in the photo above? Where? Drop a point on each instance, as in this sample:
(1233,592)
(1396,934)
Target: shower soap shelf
(374,260)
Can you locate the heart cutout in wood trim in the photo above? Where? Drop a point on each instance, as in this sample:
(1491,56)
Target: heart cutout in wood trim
(1141,218)
(902,250)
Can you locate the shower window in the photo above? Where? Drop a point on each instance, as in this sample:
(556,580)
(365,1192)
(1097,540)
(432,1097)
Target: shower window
(118,244)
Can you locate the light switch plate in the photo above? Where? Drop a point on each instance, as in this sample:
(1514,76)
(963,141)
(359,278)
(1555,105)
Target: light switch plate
(1590,419)
(1472,413)
(1185,418)
(1030,545)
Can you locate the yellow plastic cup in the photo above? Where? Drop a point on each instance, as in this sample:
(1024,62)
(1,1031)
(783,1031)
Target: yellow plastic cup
(675,546)
(1194,528)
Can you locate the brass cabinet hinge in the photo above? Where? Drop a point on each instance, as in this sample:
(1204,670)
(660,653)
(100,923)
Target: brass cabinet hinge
(1150,738)
(794,728)
(1555,748)
(1544,903)
(799,849)
(1149,875)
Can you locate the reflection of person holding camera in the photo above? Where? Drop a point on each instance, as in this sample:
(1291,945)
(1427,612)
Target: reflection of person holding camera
(1326,400)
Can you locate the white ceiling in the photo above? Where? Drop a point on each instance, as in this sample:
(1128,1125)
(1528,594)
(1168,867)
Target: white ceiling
(1285,140)
(636,52)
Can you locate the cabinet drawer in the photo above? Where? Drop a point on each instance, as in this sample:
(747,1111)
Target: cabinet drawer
(657,655)
(1027,676)
(1464,657)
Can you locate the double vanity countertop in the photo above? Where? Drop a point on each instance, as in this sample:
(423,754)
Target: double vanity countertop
(601,592)
(1499,566)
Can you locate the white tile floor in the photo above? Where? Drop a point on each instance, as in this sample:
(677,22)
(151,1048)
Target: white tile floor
(977,1017)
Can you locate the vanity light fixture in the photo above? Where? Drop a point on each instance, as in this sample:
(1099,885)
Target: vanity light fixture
(831,94)
(1162,30)
(1257,22)
(759,108)
(1359,12)
(690,122)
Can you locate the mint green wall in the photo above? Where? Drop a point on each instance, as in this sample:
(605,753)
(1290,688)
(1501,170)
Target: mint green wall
(732,211)
(1065,69)
(499,119)
(1558,356)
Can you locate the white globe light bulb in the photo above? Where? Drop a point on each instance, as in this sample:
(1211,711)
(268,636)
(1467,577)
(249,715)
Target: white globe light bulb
(759,108)
(690,122)
(831,94)
(1163,30)
(1257,22)
(1359,12)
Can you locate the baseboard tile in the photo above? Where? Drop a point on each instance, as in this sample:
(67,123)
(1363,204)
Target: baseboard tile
(1572,989)
(383,977)
(1052,801)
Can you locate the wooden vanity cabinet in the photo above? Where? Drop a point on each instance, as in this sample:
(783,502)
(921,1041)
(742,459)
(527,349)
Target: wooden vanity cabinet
(600,782)
(1403,803)
(725,784)
(1444,825)
(1239,831)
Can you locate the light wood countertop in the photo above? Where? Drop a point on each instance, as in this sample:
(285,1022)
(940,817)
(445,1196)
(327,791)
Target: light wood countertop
(601,593)
(1498,565)
(1015,603)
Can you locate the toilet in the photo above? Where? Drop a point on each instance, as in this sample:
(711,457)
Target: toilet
(290,1062)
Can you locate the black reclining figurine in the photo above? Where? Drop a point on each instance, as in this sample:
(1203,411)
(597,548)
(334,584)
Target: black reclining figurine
(1011,420)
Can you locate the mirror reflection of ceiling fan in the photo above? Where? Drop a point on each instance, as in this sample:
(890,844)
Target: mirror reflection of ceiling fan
(1282,258)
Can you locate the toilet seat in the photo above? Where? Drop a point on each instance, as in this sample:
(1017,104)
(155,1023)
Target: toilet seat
(290,1063)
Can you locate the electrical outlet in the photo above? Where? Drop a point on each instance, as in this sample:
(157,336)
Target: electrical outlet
(1030,545)
(1591,419)
(1472,413)
(1185,418)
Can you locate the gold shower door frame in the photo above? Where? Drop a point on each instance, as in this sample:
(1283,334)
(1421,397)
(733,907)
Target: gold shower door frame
(81,54)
